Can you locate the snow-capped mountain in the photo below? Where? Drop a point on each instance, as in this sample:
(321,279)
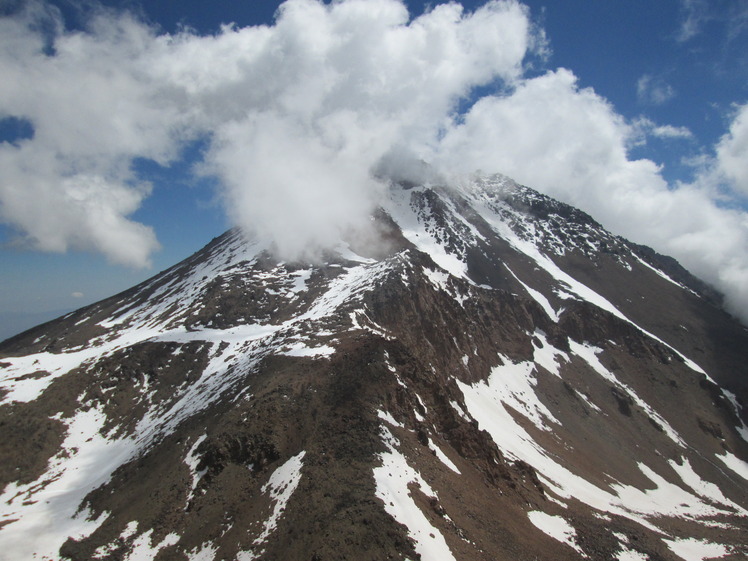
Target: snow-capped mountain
(499,378)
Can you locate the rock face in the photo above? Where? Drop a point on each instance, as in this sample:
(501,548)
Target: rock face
(499,379)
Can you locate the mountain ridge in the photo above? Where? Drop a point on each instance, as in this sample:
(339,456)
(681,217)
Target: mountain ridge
(501,379)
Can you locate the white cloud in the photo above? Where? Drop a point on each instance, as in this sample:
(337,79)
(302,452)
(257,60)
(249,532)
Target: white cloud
(732,152)
(302,115)
(669,131)
(653,90)
(322,95)
(644,127)
(694,14)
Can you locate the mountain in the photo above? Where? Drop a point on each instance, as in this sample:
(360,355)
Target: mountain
(496,378)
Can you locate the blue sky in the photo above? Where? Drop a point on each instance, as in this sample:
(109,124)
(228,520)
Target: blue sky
(665,82)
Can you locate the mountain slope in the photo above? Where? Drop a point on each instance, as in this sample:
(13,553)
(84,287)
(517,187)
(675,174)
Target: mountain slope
(498,378)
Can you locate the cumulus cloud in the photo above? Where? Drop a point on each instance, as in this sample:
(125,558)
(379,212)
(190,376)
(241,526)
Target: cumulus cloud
(305,119)
(297,113)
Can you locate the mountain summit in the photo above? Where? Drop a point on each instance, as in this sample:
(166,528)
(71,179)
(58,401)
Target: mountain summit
(499,378)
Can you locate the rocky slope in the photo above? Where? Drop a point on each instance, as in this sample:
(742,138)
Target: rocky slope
(498,379)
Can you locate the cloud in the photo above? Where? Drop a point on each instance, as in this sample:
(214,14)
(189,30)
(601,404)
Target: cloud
(669,131)
(305,118)
(730,15)
(732,152)
(645,127)
(319,97)
(653,90)
(695,13)
(69,184)
(77,295)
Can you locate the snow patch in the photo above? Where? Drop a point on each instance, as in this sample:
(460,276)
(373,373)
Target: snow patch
(207,552)
(513,385)
(588,353)
(742,429)
(546,355)
(49,509)
(438,279)
(691,549)
(192,459)
(143,548)
(701,487)
(299,349)
(443,457)
(735,464)
(556,527)
(387,417)
(280,487)
(104,551)
(537,296)
(393,479)
(485,405)
(625,553)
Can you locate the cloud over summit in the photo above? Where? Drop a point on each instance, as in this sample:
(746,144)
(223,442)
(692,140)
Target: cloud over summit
(297,113)
(302,117)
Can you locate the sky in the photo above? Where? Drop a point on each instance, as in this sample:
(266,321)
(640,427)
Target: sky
(131,133)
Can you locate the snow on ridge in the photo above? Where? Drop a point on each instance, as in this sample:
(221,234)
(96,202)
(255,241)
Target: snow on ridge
(484,207)
(737,465)
(347,287)
(662,274)
(179,292)
(485,402)
(344,250)
(701,487)
(26,377)
(48,508)
(192,459)
(281,485)
(392,481)
(537,296)
(415,231)
(589,354)
(234,352)
(443,458)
